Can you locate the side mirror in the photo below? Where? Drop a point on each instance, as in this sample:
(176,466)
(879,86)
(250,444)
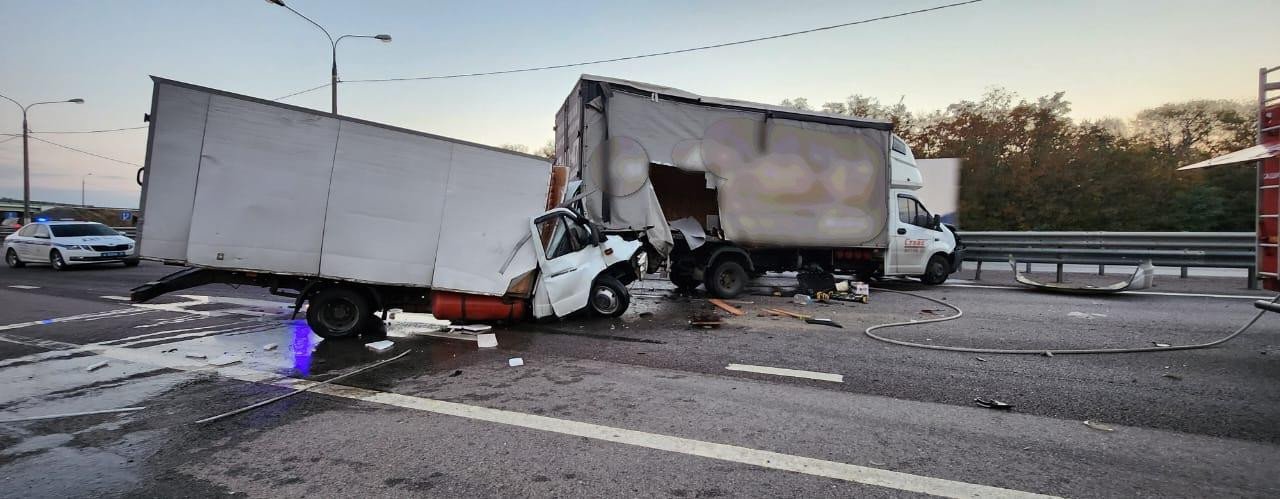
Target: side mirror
(598,231)
(937,222)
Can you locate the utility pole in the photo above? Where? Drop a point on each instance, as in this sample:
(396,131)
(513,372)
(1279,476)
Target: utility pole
(26,157)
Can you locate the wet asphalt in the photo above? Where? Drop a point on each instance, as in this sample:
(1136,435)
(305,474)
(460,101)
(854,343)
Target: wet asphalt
(1185,424)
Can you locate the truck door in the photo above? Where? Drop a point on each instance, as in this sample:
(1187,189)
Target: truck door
(911,237)
(566,258)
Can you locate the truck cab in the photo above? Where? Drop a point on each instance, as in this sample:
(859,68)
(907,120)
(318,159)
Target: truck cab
(920,244)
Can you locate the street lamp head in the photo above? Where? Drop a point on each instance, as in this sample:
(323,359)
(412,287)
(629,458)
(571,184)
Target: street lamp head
(277,2)
(76,100)
(384,38)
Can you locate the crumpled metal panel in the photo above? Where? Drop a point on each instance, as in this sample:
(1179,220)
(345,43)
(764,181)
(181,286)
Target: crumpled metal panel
(1142,278)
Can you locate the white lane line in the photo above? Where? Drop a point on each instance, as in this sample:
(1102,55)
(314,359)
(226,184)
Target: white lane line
(795,373)
(121,312)
(116,298)
(723,452)
(1155,293)
(23,286)
(159,333)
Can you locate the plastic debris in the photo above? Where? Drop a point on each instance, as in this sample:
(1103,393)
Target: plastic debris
(1085,315)
(515,361)
(269,347)
(380,346)
(224,360)
(801,299)
(456,373)
(823,322)
(980,359)
(488,340)
(1098,426)
(194,355)
(1161,344)
(476,328)
(97,366)
(1171,376)
(1047,353)
(993,404)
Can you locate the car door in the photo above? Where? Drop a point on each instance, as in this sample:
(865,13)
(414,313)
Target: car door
(568,264)
(911,237)
(40,244)
(21,242)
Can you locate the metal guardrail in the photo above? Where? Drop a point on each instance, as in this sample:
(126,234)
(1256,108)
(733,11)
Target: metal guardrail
(131,232)
(1164,249)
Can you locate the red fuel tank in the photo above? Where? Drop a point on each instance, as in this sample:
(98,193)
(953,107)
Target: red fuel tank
(465,307)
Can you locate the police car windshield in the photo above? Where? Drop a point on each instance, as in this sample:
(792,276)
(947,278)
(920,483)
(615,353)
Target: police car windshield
(77,230)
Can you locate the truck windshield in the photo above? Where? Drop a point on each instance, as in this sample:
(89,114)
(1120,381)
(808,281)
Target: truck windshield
(77,230)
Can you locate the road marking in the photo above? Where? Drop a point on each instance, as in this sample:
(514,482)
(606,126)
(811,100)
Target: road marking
(121,312)
(723,452)
(23,286)
(159,333)
(1155,293)
(779,371)
(116,298)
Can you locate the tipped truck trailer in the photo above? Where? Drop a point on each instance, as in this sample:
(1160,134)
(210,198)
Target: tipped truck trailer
(722,189)
(353,217)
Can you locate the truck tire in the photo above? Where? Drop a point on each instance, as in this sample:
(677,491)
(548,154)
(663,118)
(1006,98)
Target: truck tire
(727,279)
(936,271)
(609,298)
(338,312)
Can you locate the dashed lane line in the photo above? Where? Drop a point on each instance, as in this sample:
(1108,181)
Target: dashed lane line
(779,371)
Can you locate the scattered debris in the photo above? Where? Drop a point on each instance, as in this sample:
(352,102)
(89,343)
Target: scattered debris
(169,350)
(224,360)
(456,373)
(193,355)
(1171,376)
(823,322)
(801,299)
(779,311)
(300,390)
(515,361)
(993,404)
(1048,353)
(980,359)
(876,463)
(73,414)
(476,328)
(726,307)
(380,346)
(704,320)
(487,340)
(1085,315)
(1098,426)
(1161,344)
(269,347)
(97,366)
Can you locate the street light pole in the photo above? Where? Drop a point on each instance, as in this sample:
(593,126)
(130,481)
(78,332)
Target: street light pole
(26,159)
(333,45)
(82,178)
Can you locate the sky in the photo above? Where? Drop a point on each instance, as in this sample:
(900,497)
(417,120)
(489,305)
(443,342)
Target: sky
(1112,58)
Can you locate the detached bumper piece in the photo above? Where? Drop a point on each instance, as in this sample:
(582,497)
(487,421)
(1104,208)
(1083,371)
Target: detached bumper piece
(1141,279)
(183,279)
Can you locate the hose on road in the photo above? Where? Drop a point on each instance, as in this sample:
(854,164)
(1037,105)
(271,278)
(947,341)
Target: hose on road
(1078,351)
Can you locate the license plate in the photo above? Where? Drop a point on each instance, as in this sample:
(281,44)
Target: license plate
(113,253)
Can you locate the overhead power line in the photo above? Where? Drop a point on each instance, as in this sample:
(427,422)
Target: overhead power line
(96,131)
(82,151)
(644,56)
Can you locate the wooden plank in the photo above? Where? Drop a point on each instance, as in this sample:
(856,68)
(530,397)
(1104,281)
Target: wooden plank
(726,307)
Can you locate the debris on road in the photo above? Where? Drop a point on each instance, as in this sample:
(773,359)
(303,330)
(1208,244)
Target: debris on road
(1047,353)
(269,347)
(97,366)
(515,361)
(380,346)
(253,406)
(993,404)
(1171,376)
(456,373)
(726,307)
(1085,315)
(194,355)
(823,322)
(1141,279)
(224,360)
(488,340)
(1161,344)
(801,299)
(1098,426)
(980,359)
(475,328)
(72,414)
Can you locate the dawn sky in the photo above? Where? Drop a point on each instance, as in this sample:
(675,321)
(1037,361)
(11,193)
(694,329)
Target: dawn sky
(1112,58)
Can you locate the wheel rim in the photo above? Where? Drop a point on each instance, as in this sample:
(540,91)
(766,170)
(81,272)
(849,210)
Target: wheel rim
(604,300)
(56,260)
(12,258)
(339,315)
(728,280)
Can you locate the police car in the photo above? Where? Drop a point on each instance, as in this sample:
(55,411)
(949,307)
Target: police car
(64,243)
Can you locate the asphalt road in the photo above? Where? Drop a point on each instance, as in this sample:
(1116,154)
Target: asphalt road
(642,405)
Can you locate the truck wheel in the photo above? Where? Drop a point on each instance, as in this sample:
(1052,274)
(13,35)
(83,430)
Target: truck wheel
(11,258)
(936,271)
(727,279)
(609,298)
(338,313)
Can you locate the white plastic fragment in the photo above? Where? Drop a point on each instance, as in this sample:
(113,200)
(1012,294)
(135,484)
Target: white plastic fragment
(224,360)
(380,346)
(269,347)
(97,366)
(194,355)
(487,340)
(515,361)
(476,328)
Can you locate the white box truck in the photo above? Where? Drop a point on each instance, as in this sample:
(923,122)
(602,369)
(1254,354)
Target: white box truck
(722,189)
(354,217)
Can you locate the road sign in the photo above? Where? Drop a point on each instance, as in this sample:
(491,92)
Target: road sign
(126,215)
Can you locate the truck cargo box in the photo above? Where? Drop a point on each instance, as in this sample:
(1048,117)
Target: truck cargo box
(239,183)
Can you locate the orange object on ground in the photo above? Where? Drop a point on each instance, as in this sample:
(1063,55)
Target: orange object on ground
(726,307)
(459,306)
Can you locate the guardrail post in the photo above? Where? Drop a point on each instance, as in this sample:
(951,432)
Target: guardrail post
(1059,272)
(1253,278)
(1028,268)
(1182,273)
(977,273)
(1102,270)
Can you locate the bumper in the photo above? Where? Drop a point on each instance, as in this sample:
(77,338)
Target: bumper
(74,257)
(956,259)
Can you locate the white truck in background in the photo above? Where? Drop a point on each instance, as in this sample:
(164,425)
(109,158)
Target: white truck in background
(722,190)
(354,217)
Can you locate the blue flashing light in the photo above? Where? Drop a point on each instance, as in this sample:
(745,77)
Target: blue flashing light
(42,219)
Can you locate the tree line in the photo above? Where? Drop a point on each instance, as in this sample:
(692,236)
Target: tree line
(1028,166)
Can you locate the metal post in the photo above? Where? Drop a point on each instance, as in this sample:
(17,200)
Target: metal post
(1182,273)
(26,173)
(1059,272)
(1253,278)
(1028,268)
(1102,270)
(977,273)
(333,78)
